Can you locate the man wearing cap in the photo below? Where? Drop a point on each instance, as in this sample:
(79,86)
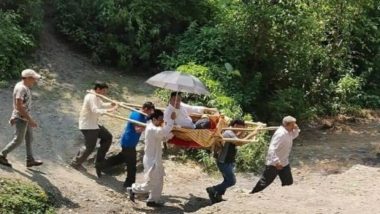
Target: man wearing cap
(277,161)
(21,119)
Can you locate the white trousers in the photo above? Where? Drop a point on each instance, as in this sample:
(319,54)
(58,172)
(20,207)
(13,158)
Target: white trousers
(153,187)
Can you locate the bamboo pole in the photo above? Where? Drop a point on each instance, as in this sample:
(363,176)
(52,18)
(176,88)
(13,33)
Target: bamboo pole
(237,140)
(124,118)
(249,122)
(255,123)
(252,129)
(253,133)
(121,104)
(139,106)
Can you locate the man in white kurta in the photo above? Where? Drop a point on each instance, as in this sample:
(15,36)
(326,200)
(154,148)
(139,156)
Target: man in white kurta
(153,166)
(277,161)
(183,111)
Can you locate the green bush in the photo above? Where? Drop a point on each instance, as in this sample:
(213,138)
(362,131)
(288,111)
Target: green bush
(294,48)
(290,101)
(205,159)
(22,197)
(14,46)
(127,34)
(20,24)
(251,157)
(31,14)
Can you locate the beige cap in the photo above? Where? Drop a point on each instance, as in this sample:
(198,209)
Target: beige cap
(30,73)
(288,119)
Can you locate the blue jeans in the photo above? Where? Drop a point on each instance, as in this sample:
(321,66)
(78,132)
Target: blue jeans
(229,179)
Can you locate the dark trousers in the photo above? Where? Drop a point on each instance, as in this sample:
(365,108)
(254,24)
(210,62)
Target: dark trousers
(229,179)
(270,173)
(91,137)
(127,156)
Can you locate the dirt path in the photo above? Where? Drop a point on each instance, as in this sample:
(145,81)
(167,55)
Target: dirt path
(329,168)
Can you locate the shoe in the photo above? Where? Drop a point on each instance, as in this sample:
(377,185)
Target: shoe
(31,163)
(78,167)
(211,194)
(4,161)
(218,198)
(98,171)
(154,204)
(131,194)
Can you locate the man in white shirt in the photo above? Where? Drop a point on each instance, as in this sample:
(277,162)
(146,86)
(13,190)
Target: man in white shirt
(153,166)
(183,111)
(93,107)
(277,161)
(22,119)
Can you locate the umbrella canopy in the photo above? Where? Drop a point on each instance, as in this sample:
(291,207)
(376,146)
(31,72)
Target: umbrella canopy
(176,81)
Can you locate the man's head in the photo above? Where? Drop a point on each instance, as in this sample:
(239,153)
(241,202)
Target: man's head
(148,108)
(175,99)
(237,123)
(157,117)
(289,123)
(101,88)
(30,77)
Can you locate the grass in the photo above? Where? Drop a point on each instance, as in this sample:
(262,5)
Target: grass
(18,196)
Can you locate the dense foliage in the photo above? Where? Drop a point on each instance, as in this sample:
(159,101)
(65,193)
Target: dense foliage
(20,24)
(21,197)
(293,57)
(260,59)
(265,58)
(127,33)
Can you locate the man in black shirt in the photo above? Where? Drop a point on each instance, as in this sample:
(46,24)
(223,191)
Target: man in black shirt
(225,160)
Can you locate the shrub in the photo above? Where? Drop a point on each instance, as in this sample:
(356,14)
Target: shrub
(127,34)
(22,197)
(291,101)
(20,24)
(15,44)
(251,157)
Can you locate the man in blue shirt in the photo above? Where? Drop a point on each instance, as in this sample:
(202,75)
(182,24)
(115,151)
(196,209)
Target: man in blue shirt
(129,140)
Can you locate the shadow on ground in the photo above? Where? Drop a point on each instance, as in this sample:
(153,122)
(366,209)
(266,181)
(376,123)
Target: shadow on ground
(54,194)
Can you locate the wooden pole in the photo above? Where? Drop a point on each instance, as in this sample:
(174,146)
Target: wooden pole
(124,118)
(252,129)
(253,133)
(254,123)
(121,104)
(139,106)
(237,140)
